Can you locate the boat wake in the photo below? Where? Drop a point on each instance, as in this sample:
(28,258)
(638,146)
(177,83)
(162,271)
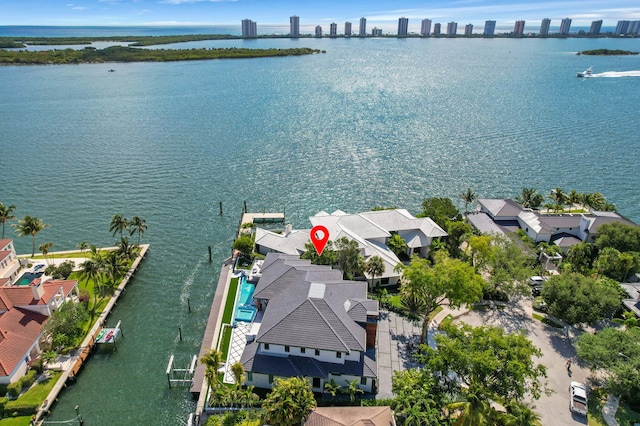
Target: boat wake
(615,74)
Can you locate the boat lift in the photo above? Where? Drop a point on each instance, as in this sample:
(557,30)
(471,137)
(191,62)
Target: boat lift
(180,376)
(109,335)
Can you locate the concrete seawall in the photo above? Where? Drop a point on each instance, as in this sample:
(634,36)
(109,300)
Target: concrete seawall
(89,341)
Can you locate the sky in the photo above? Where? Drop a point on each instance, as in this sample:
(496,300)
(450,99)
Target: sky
(311,12)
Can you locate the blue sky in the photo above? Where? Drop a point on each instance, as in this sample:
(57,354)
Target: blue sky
(311,12)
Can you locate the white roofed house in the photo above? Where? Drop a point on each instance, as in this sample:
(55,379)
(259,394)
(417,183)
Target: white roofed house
(371,230)
(314,324)
(9,264)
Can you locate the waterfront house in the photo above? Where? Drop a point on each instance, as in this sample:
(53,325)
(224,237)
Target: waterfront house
(24,310)
(311,324)
(9,264)
(371,230)
(502,216)
(351,416)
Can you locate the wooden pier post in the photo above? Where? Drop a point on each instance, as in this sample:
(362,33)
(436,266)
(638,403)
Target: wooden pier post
(220,208)
(245,206)
(188,304)
(210,254)
(180,332)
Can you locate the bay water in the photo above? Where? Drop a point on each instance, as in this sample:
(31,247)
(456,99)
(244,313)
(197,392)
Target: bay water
(370,122)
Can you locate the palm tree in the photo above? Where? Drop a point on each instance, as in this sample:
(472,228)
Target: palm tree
(521,414)
(6,213)
(594,201)
(82,246)
(91,271)
(352,389)
(574,198)
(475,410)
(30,225)
(118,224)
(138,225)
(44,249)
(397,244)
(468,197)
(559,197)
(113,267)
(529,198)
(212,361)
(126,250)
(238,373)
(332,388)
(374,266)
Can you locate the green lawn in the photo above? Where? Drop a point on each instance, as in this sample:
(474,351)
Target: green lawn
(16,421)
(229,304)
(34,396)
(225,341)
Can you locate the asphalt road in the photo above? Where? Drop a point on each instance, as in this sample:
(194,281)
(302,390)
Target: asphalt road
(556,349)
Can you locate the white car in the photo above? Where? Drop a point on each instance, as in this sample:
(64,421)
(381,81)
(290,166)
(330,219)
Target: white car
(537,280)
(578,395)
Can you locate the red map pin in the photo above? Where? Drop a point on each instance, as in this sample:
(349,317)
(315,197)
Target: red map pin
(319,237)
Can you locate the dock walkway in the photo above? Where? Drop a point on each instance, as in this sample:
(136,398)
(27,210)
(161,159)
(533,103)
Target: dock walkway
(262,218)
(87,344)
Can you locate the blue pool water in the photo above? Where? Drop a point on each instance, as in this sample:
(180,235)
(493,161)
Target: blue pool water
(27,277)
(244,310)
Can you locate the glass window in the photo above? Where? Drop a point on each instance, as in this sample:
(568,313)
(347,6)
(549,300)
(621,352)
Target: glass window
(266,346)
(286,348)
(363,381)
(302,350)
(317,352)
(338,354)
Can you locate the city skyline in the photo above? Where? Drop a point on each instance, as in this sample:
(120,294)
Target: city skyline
(382,13)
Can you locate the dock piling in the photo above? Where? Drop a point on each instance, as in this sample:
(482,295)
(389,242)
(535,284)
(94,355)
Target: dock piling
(180,332)
(210,254)
(220,208)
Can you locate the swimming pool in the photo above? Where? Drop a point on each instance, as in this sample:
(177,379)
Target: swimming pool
(244,311)
(27,277)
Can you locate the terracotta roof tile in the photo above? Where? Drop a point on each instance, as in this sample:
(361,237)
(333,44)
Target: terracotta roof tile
(19,329)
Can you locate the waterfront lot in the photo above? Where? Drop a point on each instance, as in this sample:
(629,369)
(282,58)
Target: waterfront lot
(556,349)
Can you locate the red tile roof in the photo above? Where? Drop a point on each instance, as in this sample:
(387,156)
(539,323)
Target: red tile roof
(4,242)
(4,254)
(23,295)
(19,329)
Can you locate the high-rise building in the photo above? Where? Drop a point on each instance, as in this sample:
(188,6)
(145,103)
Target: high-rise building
(376,32)
(363,26)
(347,29)
(294,26)
(634,28)
(468,29)
(318,31)
(425,28)
(489,28)
(436,28)
(622,27)
(249,28)
(403,26)
(452,28)
(565,26)
(544,27)
(518,28)
(596,26)
(333,29)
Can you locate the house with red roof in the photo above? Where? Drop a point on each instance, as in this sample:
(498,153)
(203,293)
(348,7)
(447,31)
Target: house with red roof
(24,310)
(9,264)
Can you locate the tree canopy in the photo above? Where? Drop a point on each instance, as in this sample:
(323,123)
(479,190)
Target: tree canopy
(348,257)
(441,210)
(66,324)
(289,402)
(424,288)
(620,236)
(244,244)
(576,299)
(497,363)
(328,256)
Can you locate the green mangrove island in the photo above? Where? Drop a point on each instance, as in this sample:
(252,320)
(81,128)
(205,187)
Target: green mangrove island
(607,52)
(22,42)
(91,55)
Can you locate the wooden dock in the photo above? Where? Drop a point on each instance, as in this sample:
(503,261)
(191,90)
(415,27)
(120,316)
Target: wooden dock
(90,340)
(262,218)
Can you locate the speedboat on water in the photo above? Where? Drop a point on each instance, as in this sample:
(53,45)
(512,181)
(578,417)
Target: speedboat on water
(585,73)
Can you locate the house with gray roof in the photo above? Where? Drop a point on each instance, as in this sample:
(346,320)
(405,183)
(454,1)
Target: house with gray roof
(501,216)
(371,230)
(314,324)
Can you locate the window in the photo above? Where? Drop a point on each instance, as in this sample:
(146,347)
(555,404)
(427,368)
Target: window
(266,346)
(338,354)
(270,378)
(302,350)
(249,376)
(286,348)
(363,381)
(316,382)
(384,281)
(317,352)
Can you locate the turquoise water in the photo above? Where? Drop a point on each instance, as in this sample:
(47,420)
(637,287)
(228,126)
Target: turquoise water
(245,312)
(370,122)
(27,277)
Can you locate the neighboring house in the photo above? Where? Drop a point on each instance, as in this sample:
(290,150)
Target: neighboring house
(565,230)
(371,230)
(24,310)
(351,416)
(9,264)
(632,302)
(311,324)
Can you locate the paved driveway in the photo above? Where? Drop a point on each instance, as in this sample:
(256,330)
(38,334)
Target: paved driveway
(556,349)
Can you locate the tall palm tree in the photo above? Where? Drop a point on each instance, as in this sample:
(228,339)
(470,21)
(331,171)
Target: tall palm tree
(138,225)
(238,373)
(521,414)
(374,266)
(352,389)
(30,225)
(574,198)
(91,271)
(332,388)
(6,213)
(397,244)
(468,197)
(82,246)
(126,250)
(118,224)
(559,197)
(44,249)
(529,198)
(212,361)
(114,267)
(475,410)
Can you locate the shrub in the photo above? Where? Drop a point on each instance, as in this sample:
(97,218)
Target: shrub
(37,366)
(29,379)
(14,389)
(84,296)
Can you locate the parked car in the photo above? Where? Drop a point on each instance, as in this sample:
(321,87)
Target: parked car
(537,280)
(578,400)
